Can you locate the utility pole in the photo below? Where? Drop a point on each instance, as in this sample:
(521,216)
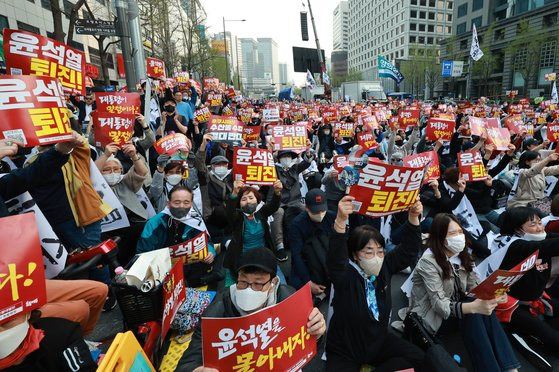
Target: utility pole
(122,25)
(469,79)
(136,40)
(327,91)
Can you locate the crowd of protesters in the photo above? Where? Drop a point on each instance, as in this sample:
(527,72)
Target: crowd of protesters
(267,241)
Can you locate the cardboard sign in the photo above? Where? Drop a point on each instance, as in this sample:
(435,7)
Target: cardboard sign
(174,296)
(31,54)
(540,117)
(230,92)
(515,123)
(155,68)
(343,130)
(553,132)
(369,122)
(193,250)
(500,137)
(297,115)
(439,128)
(227,111)
(380,115)
(22,276)
(471,166)
(171,144)
(226,129)
(290,137)
(550,77)
(330,115)
(110,128)
(367,140)
(210,83)
(408,117)
(339,162)
(271,114)
(272,339)
(118,103)
(428,159)
(394,123)
(251,132)
(497,284)
(245,115)
(515,109)
(344,111)
(33,110)
(384,189)
(254,166)
(477,126)
(214,99)
(202,115)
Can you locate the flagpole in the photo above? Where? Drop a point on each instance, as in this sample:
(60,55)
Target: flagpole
(327,91)
(469,79)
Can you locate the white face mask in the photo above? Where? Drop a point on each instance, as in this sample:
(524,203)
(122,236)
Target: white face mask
(456,244)
(250,300)
(174,179)
(317,217)
(285,162)
(326,132)
(221,171)
(534,237)
(10,339)
(113,178)
(371,266)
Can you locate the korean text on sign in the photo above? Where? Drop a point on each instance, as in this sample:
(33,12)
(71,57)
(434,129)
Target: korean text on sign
(109,128)
(193,250)
(408,118)
(553,132)
(251,133)
(226,129)
(254,166)
(439,128)
(172,143)
(422,160)
(33,110)
(174,296)
(290,137)
(118,103)
(471,166)
(214,99)
(500,137)
(30,54)
(22,274)
(343,130)
(385,189)
(202,115)
(270,114)
(367,141)
(273,339)
(155,68)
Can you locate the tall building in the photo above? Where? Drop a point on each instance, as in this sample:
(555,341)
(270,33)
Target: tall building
(234,51)
(268,59)
(500,22)
(283,75)
(340,26)
(391,29)
(339,62)
(260,68)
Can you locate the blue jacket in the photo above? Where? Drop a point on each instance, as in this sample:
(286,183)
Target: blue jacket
(154,235)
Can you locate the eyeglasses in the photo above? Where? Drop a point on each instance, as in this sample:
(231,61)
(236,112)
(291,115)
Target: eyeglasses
(241,284)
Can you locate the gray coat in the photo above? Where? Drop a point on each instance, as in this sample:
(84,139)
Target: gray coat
(126,191)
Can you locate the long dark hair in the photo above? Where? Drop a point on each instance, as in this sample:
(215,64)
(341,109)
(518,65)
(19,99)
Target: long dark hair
(359,238)
(436,241)
(514,218)
(525,157)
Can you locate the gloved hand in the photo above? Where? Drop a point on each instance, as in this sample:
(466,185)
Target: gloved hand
(162,160)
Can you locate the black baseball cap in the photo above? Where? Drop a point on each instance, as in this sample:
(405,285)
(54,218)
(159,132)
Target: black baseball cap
(262,258)
(315,200)
(531,141)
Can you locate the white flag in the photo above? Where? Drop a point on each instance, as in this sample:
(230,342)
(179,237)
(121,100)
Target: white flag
(475,50)
(310,81)
(554,96)
(325,77)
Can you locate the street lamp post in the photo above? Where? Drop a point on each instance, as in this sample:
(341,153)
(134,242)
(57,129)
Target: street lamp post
(225,42)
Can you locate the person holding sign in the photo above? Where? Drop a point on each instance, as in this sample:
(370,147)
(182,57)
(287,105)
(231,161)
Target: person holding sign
(439,304)
(361,272)
(171,121)
(257,286)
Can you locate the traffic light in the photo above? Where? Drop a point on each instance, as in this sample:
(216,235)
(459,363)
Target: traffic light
(304,27)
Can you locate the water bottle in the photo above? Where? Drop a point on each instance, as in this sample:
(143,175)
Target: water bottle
(120,275)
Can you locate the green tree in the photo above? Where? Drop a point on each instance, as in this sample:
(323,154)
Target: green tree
(413,70)
(483,68)
(351,75)
(432,65)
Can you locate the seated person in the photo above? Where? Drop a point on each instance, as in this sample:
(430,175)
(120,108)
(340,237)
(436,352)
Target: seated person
(256,287)
(551,222)
(177,224)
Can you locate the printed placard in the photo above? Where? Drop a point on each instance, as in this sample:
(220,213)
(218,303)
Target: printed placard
(254,166)
(31,54)
(367,140)
(428,159)
(33,110)
(553,132)
(193,250)
(110,128)
(214,99)
(272,339)
(344,130)
(515,109)
(171,144)
(202,115)
(330,115)
(471,166)
(226,129)
(290,137)
(271,114)
(384,189)
(369,122)
(516,124)
(408,117)
(251,133)
(155,68)
(210,83)
(477,126)
(245,115)
(500,137)
(118,103)
(174,296)
(439,128)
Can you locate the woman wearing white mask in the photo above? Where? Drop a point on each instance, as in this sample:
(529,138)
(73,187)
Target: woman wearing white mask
(438,299)
(168,175)
(361,273)
(531,311)
(220,185)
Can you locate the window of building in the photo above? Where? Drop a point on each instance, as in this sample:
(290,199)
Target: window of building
(31,1)
(422,27)
(440,29)
(413,2)
(476,21)
(550,20)
(432,3)
(45,4)
(432,15)
(463,44)
(477,4)
(499,34)
(449,17)
(421,39)
(422,15)
(547,58)
(462,10)
(461,28)
(26,27)
(429,40)
(413,13)
(431,28)
(412,39)
(68,8)
(449,5)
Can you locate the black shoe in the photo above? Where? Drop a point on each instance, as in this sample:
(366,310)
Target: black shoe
(110,302)
(281,255)
(213,277)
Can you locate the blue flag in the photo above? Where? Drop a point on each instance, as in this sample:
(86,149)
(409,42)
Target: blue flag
(387,70)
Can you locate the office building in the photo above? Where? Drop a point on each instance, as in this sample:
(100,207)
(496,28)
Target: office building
(339,62)
(260,68)
(340,26)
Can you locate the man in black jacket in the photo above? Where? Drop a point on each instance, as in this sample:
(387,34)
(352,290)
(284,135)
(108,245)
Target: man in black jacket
(256,270)
(85,107)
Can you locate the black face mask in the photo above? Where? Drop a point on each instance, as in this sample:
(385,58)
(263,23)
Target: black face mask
(399,143)
(249,208)
(170,109)
(179,213)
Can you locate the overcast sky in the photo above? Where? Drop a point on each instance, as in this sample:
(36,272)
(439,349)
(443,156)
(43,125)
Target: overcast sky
(278,19)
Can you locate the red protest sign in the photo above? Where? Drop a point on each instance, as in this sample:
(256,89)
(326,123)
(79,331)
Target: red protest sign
(155,68)
(172,143)
(92,71)
(174,296)
(422,160)
(298,114)
(118,103)
(385,189)
(290,137)
(515,109)
(367,140)
(30,54)
(254,166)
(272,339)
(553,132)
(380,115)
(110,128)
(245,115)
(500,137)
(193,250)
(33,110)
(22,274)
(408,117)
(515,123)
(471,166)
(498,283)
(202,115)
(330,115)
(251,132)
(214,99)
(340,161)
(439,128)
(343,130)
(210,83)
(226,129)
(540,117)
(394,123)
(369,122)
(477,126)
